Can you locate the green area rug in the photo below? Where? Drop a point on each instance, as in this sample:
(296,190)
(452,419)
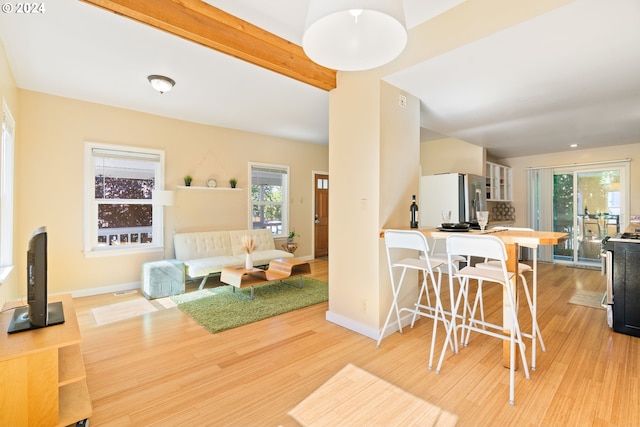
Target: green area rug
(217,309)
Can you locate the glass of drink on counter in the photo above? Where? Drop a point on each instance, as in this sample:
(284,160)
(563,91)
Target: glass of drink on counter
(483,218)
(446,217)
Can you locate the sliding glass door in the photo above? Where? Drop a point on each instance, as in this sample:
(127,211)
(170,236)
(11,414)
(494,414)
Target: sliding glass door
(588,203)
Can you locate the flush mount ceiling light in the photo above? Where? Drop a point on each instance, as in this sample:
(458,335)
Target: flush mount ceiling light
(352,35)
(161,83)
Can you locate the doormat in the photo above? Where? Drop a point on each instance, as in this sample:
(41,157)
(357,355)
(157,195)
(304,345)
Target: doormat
(354,397)
(585,267)
(588,298)
(122,310)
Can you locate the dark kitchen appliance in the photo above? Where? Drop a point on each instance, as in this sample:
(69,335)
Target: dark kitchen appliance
(622,268)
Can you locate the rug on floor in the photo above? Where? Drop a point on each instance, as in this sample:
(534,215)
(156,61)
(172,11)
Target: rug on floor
(218,309)
(122,310)
(354,397)
(587,298)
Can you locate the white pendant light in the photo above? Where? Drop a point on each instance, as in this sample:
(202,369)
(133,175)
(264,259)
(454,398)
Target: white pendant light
(161,83)
(352,35)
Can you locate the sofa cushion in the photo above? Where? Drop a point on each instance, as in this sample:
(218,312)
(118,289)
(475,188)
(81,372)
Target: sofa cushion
(203,266)
(263,239)
(203,244)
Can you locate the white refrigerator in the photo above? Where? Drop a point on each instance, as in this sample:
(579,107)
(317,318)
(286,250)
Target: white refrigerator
(462,194)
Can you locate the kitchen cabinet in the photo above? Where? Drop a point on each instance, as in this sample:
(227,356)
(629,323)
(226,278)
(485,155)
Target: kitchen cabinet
(499,182)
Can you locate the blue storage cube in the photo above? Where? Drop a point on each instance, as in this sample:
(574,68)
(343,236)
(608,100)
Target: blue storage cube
(162,278)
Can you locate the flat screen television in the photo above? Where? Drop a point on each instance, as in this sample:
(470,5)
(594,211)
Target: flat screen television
(38,313)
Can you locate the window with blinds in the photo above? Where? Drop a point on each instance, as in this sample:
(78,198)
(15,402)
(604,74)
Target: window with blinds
(120,213)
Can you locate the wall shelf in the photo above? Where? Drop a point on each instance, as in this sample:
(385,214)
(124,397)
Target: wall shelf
(196,187)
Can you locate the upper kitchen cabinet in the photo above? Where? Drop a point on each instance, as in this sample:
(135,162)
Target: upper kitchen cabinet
(499,182)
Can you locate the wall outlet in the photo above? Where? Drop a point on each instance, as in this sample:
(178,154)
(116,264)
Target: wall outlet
(403,101)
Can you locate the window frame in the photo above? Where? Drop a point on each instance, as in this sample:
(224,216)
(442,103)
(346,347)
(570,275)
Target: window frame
(91,249)
(284,169)
(7,188)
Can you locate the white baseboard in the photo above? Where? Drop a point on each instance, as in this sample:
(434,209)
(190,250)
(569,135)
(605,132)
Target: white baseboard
(104,290)
(393,326)
(365,330)
(352,325)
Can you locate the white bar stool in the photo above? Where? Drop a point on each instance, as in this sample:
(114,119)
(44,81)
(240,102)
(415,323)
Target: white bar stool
(532,297)
(397,243)
(490,247)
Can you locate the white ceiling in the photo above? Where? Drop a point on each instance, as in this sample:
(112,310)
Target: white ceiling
(571,75)
(568,76)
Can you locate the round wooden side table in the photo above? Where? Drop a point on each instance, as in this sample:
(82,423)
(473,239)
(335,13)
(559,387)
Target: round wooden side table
(290,247)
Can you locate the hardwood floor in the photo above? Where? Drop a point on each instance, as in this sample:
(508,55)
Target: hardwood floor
(163,369)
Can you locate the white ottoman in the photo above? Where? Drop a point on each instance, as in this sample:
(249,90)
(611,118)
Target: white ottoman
(162,278)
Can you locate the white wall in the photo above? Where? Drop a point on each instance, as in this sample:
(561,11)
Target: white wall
(372,162)
(451,155)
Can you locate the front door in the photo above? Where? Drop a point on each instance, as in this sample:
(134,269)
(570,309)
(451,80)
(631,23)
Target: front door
(321,219)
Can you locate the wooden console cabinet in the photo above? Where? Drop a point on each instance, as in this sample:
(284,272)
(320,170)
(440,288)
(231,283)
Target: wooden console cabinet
(42,376)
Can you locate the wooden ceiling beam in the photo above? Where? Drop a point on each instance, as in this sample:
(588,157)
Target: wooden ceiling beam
(197,21)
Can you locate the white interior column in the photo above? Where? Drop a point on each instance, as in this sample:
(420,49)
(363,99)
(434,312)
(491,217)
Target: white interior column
(374,154)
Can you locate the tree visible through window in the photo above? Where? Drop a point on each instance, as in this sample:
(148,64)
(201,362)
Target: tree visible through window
(121,212)
(269,198)
(114,217)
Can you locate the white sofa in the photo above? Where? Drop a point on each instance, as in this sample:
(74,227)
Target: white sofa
(208,252)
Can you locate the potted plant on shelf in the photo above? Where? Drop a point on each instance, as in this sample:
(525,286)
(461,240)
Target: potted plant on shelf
(187,180)
(233,182)
(292,235)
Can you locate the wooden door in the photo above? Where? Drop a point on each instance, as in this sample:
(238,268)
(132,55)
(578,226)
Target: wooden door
(321,220)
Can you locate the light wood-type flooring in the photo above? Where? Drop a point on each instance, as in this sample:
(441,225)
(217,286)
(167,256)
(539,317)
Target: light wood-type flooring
(163,369)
